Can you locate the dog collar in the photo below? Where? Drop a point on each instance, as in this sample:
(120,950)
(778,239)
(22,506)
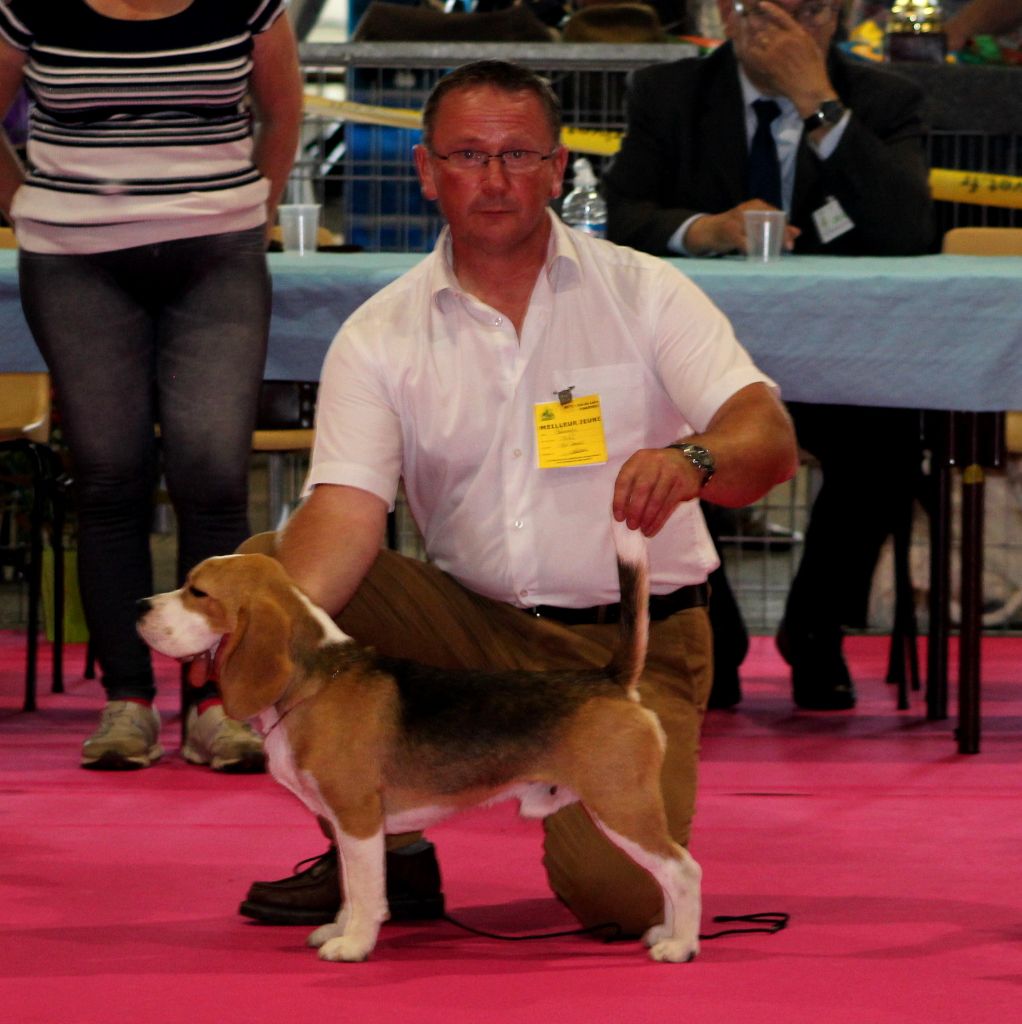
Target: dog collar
(283,715)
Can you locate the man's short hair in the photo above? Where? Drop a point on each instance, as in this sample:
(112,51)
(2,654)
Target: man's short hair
(498,74)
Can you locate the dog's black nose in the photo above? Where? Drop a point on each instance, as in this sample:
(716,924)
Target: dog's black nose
(141,607)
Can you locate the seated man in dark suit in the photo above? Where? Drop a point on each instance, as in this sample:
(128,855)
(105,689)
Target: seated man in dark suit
(778,118)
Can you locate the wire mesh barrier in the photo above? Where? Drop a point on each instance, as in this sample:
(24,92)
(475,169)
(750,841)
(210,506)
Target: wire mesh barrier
(361,169)
(356,160)
(362,173)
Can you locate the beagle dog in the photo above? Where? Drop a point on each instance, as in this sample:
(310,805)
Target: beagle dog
(376,745)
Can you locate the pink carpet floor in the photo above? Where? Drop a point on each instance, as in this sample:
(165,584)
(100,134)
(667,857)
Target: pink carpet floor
(896,858)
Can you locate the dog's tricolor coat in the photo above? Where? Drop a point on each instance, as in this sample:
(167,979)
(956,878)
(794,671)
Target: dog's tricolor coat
(377,745)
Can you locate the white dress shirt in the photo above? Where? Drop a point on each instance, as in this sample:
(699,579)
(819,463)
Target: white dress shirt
(427,383)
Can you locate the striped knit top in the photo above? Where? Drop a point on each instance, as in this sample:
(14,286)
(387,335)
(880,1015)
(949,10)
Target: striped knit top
(139,131)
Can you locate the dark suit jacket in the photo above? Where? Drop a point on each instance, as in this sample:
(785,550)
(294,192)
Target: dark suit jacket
(685,152)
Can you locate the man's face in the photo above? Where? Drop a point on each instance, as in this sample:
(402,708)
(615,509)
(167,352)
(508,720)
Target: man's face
(816,17)
(492,208)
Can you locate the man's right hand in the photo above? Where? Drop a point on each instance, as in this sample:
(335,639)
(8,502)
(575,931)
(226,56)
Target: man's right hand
(717,233)
(783,58)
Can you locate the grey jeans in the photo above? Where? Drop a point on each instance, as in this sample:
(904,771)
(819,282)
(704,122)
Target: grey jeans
(175,334)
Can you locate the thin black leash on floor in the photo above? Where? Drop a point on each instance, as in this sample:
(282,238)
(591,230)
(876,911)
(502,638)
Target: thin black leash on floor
(768,922)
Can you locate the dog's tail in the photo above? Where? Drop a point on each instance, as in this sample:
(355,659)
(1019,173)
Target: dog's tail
(633,572)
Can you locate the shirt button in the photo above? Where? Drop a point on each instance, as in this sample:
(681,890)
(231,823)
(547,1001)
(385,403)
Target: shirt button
(518,524)
(517,453)
(498,321)
(523,593)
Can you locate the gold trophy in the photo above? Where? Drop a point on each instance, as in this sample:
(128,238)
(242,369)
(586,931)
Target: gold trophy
(915,32)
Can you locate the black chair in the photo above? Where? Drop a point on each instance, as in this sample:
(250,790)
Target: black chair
(24,430)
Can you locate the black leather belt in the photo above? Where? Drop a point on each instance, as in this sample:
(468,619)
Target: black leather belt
(660,607)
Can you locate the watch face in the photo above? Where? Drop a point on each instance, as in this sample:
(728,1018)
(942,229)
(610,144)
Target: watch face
(832,110)
(702,459)
(699,457)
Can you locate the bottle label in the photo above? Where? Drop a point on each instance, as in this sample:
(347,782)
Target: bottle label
(590,227)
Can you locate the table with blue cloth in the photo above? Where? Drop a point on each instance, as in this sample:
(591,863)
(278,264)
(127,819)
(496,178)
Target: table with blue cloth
(925,332)
(939,333)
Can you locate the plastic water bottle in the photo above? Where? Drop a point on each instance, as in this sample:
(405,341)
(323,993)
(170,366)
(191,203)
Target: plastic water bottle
(583,207)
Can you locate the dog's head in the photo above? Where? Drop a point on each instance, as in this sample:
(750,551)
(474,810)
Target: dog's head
(242,601)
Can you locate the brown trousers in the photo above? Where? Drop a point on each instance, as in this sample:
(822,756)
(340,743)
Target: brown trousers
(407,608)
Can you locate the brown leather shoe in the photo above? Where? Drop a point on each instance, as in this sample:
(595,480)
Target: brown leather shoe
(313,895)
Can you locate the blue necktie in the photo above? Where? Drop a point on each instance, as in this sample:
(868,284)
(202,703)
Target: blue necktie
(764,181)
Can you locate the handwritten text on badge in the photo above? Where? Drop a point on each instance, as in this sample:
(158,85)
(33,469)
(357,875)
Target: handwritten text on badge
(570,435)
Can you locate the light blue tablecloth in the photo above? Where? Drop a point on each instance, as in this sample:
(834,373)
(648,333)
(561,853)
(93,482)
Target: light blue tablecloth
(932,332)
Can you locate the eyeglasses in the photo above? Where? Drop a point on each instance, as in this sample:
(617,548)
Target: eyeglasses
(812,13)
(515,161)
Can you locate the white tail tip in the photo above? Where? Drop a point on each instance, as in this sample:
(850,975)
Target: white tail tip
(629,544)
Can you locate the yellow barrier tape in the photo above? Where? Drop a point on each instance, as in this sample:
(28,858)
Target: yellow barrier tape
(588,140)
(579,140)
(974,187)
(946,185)
(363,113)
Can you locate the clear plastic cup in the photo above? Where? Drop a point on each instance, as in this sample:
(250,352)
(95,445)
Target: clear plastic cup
(764,233)
(299,224)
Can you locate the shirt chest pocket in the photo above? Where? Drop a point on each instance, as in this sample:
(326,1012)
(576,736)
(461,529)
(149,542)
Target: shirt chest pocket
(623,406)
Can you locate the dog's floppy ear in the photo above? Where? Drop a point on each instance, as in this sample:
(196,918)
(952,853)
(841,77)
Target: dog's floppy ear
(256,667)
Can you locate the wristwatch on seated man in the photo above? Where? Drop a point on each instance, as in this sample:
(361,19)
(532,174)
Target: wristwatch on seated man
(699,456)
(829,112)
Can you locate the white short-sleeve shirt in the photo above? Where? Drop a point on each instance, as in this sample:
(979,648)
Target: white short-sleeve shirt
(426,383)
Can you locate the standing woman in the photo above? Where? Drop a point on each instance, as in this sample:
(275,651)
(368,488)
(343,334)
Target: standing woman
(142,223)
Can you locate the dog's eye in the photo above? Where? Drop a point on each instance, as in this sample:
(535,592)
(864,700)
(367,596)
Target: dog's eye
(195,592)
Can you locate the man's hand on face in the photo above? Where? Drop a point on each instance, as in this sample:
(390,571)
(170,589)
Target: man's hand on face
(781,57)
(725,232)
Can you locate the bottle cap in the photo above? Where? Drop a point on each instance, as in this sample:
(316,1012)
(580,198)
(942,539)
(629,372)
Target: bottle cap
(584,176)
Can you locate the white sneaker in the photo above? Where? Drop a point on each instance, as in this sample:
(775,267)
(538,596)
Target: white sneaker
(223,743)
(127,737)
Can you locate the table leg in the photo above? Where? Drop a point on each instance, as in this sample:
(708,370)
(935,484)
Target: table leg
(971,634)
(940,426)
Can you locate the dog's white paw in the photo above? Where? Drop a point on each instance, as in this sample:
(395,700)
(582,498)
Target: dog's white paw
(673,951)
(346,949)
(330,931)
(324,933)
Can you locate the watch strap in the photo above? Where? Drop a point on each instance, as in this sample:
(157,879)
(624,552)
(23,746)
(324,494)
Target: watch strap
(829,112)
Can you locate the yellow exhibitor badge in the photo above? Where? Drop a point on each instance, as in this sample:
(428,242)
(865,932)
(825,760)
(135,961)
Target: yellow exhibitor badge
(570,433)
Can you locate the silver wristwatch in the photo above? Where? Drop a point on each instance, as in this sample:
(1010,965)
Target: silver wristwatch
(699,456)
